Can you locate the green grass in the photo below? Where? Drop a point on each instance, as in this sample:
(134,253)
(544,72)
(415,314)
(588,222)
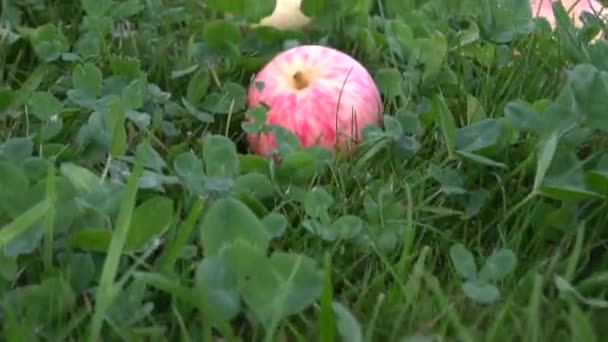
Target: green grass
(132,210)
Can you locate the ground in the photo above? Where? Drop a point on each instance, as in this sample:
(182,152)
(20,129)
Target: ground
(132,208)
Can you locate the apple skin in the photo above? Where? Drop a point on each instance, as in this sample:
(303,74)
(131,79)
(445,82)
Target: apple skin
(338,99)
(544,8)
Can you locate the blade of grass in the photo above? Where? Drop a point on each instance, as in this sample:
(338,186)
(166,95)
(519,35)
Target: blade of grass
(534,316)
(19,225)
(326,318)
(186,295)
(49,220)
(105,291)
(167,261)
(453,318)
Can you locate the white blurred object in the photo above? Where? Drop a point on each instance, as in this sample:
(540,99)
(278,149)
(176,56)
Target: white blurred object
(286,15)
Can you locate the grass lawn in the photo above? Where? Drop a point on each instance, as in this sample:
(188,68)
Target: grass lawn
(131,207)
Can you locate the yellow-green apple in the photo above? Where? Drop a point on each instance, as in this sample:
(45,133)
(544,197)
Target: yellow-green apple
(322,95)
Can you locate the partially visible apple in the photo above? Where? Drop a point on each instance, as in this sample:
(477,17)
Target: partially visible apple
(322,95)
(543,8)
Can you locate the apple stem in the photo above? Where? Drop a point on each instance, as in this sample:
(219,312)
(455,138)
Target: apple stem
(299,80)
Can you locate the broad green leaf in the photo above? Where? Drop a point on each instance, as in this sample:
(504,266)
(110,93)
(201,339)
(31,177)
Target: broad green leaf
(314,8)
(475,110)
(463,261)
(198,86)
(49,42)
(135,94)
(81,271)
(503,20)
(276,287)
(13,184)
(222,34)
(191,170)
(88,46)
(87,79)
(298,168)
(128,8)
(286,140)
(389,82)
(255,184)
(227,220)
(220,156)
(97,8)
(481,292)
(347,324)
(91,239)
(219,284)
(451,181)
(202,116)
(124,66)
(83,180)
(150,219)
(317,202)
(565,178)
(26,242)
(300,281)
(41,303)
(344,227)
(231,99)
(498,265)
(115,125)
(447,125)
(152,159)
(234,7)
(13,230)
(8,268)
(275,224)
(523,116)
(479,135)
(7,96)
(433,51)
(21,96)
(44,105)
(547,151)
(255,11)
(590,88)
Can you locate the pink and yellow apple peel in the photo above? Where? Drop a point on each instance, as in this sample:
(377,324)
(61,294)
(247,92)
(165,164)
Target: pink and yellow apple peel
(543,8)
(322,95)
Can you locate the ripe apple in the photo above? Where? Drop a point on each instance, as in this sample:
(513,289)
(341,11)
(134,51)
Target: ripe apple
(320,94)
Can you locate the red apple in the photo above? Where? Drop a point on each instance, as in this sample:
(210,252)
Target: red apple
(320,94)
